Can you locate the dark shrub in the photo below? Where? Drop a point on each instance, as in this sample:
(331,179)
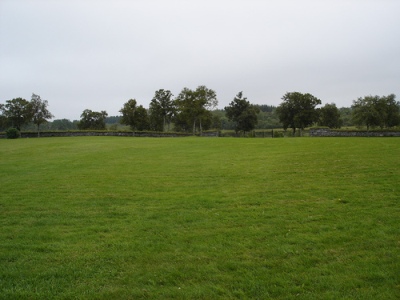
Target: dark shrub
(278,134)
(12,133)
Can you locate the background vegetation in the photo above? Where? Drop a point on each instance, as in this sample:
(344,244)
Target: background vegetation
(196,110)
(198,218)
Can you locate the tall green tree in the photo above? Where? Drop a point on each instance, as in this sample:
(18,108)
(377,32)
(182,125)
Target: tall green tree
(389,110)
(128,113)
(161,110)
(17,112)
(40,113)
(365,113)
(298,110)
(92,120)
(329,115)
(242,113)
(141,118)
(194,106)
(373,111)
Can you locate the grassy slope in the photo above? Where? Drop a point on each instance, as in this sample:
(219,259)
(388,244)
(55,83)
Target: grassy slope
(200,218)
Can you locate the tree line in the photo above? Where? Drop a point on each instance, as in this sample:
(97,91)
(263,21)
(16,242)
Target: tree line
(17,112)
(196,110)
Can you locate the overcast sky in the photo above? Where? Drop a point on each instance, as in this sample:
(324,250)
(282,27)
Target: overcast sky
(93,54)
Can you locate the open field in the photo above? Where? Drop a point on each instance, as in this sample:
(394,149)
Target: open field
(200,218)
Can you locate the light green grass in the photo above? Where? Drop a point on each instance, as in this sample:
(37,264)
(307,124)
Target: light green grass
(200,218)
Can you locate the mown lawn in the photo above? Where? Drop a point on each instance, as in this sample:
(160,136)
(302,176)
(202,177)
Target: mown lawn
(200,218)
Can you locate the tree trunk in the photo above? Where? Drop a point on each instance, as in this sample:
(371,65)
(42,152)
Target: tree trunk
(163,128)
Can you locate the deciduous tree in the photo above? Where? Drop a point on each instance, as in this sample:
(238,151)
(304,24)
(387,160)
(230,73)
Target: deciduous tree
(128,113)
(372,111)
(345,116)
(298,110)
(92,120)
(365,112)
(141,118)
(194,106)
(18,112)
(329,115)
(161,110)
(389,111)
(40,113)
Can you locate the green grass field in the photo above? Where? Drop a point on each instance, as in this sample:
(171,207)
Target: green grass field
(200,218)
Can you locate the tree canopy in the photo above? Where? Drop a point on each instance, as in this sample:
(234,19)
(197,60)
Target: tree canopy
(128,113)
(17,112)
(242,113)
(193,107)
(329,115)
(134,116)
(196,110)
(63,124)
(161,109)
(141,118)
(92,120)
(298,110)
(40,113)
(373,111)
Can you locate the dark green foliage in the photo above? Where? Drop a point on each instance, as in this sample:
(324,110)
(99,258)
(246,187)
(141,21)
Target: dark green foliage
(3,118)
(216,121)
(206,120)
(135,116)
(113,119)
(161,110)
(268,120)
(18,112)
(365,112)
(92,120)
(330,116)
(278,134)
(298,110)
(63,124)
(40,113)
(265,108)
(242,113)
(141,118)
(13,133)
(128,114)
(265,119)
(193,108)
(390,111)
(221,121)
(373,111)
(346,116)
